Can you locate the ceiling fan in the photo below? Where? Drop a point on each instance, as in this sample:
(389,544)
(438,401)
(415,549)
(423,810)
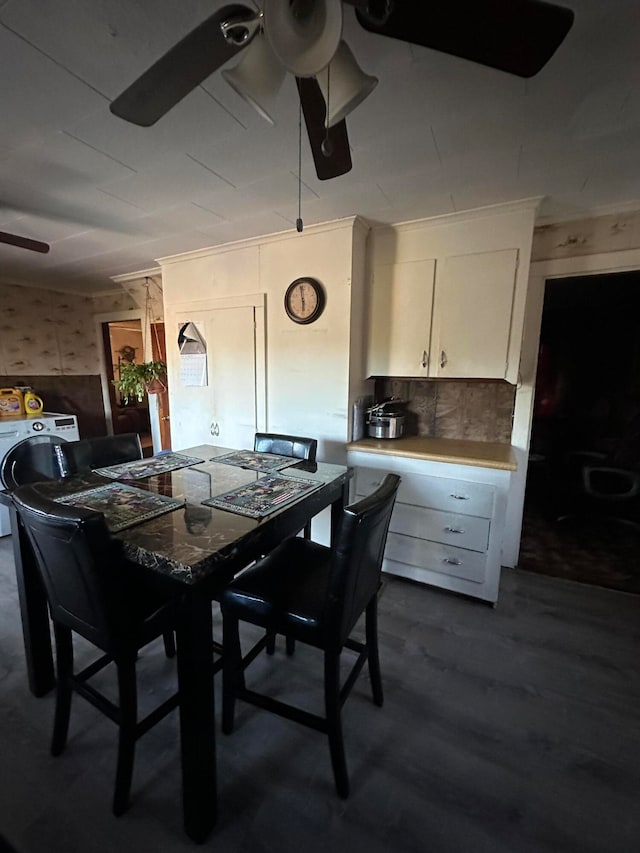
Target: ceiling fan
(23,242)
(304,38)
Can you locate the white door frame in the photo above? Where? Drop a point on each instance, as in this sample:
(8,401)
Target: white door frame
(539,273)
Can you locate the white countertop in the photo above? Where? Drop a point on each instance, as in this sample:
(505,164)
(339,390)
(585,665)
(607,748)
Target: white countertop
(481,454)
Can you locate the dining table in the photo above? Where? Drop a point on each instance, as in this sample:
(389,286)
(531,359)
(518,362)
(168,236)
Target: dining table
(193,551)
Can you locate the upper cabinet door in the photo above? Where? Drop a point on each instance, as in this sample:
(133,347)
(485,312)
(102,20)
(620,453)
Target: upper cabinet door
(400,319)
(472,316)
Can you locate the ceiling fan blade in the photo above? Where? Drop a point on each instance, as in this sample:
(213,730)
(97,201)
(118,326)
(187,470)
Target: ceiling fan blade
(517,36)
(314,110)
(182,68)
(24,242)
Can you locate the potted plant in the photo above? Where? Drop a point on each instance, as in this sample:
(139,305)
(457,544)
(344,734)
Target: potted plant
(136,380)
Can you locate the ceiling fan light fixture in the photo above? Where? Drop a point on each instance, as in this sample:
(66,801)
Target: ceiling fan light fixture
(344,85)
(257,77)
(304,34)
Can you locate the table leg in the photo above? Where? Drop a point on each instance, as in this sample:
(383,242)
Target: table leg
(197,720)
(33,612)
(336,511)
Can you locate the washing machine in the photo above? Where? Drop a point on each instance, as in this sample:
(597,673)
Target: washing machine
(28,442)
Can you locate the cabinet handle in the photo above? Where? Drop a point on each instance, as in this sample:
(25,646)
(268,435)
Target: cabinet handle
(459,497)
(425,358)
(443,358)
(450,529)
(453,561)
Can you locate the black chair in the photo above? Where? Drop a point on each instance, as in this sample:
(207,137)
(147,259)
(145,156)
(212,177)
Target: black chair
(298,447)
(31,461)
(76,457)
(286,445)
(91,591)
(316,595)
(295,446)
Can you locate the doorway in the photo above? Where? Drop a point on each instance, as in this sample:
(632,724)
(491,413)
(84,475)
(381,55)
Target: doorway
(579,522)
(123,343)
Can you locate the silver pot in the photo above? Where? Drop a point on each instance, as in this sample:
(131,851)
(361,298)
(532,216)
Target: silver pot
(385,426)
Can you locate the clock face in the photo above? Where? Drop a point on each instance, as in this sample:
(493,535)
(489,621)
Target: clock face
(304,300)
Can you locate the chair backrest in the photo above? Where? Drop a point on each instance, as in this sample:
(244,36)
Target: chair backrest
(89,453)
(286,445)
(77,561)
(357,558)
(31,461)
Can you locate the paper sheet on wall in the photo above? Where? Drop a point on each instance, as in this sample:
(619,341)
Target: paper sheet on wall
(193,354)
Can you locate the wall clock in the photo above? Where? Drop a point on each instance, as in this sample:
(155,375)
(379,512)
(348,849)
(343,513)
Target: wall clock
(304,300)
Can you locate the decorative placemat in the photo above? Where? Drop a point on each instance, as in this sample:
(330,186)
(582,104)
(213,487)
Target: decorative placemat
(122,505)
(142,468)
(254,460)
(265,496)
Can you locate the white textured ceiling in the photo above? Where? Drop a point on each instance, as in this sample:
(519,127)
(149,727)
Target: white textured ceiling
(438,134)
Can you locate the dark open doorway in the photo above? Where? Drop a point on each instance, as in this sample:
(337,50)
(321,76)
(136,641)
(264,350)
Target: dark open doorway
(123,342)
(582,503)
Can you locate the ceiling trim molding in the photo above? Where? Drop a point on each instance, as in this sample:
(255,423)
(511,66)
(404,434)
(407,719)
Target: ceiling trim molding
(133,276)
(249,242)
(59,288)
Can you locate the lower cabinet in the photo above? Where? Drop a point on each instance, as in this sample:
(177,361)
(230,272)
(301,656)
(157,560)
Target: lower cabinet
(447,524)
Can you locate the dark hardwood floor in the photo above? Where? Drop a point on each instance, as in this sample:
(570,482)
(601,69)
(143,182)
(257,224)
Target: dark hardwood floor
(512,729)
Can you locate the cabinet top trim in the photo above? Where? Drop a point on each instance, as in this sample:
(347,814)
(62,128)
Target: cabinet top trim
(350,222)
(522,205)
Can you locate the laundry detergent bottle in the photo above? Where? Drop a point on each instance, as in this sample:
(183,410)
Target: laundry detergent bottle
(33,404)
(11,402)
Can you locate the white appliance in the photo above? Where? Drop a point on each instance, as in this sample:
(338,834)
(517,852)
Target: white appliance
(16,433)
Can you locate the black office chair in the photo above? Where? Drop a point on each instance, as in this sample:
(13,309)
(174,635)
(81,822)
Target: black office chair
(593,487)
(31,461)
(91,590)
(316,595)
(76,457)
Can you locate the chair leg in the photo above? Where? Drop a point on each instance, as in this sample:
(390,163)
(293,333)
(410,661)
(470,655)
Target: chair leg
(169,644)
(232,674)
(271,642)
(64,674)
(371,631)
(334,723)
(291,645)
(128,700)
(307,530)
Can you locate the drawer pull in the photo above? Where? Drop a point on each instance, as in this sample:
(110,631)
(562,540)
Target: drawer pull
(450,529)
(460,497)
(453,561)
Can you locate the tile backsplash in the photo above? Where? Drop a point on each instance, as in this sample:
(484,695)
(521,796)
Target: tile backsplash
(476,410)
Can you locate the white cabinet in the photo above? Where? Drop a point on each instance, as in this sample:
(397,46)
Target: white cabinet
(447,524)
(472,315)
(400,319)
(450,319)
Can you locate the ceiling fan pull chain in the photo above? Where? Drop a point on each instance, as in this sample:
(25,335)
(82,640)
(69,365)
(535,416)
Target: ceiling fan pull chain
(299,223)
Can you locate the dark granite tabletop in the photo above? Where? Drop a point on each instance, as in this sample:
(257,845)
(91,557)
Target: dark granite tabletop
(194,541)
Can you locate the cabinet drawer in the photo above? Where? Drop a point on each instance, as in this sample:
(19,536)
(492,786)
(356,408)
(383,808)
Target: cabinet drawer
(463,531)
(444,559)
(458,496)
